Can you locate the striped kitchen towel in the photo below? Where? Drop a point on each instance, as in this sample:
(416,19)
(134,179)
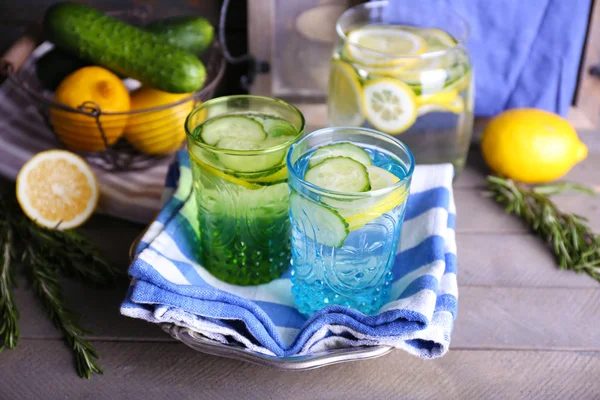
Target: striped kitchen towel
(169,286)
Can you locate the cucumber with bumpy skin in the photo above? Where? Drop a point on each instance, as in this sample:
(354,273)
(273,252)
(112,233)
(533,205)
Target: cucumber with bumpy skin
(123,48)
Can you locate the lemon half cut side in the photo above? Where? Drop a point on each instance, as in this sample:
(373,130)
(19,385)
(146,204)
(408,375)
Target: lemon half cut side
(57,189)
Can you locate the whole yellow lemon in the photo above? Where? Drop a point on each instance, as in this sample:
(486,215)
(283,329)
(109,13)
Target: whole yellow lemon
(96,87)
(157,131)
(531,145)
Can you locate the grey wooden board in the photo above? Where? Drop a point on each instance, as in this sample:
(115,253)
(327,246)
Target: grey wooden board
(585,172)
(524,330)
(476,214)
(43,370)
(489,316)
(511,260)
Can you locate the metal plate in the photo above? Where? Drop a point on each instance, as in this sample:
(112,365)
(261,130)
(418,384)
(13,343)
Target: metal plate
(199,342)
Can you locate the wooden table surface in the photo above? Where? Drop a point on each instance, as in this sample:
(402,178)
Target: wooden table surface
(524,328)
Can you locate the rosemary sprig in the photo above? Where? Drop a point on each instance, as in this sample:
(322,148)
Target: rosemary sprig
(47,287)
(9,329)
(70,253)
(46,254)
(575,246)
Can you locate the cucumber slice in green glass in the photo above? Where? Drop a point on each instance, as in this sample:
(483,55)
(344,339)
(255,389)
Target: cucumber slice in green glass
(318,222)
(251,162)
(340,150)
(278,128)
(232,126)
(275,127)
(341,174)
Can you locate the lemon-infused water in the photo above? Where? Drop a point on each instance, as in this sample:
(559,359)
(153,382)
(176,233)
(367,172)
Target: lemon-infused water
(347,204)
(240,185)
(404,80)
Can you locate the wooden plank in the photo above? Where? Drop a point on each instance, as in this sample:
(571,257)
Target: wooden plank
(156,371)
(585,172)
(579,119)
(587,97)
(476,214)
(489,316)
(512,260)
(527,318)
(98,310)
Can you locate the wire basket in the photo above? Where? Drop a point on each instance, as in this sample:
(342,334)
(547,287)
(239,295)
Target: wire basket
(117,141)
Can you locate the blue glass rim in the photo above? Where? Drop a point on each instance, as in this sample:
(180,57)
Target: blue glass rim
(293,172)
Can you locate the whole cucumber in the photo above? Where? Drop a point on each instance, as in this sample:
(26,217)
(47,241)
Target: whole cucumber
(123,48)
(194,34)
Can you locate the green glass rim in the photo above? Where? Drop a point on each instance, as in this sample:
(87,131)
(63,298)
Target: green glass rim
(218,100)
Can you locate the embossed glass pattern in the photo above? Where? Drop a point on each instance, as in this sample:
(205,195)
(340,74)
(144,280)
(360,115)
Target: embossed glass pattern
(242,195)
(344,243)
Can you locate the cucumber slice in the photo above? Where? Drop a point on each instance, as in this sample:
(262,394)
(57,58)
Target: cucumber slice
(345,149)
(251,162)
(279,127)
(232,126)
(341,174)
(320,223)
(275,127)
(358,213)
(231,143)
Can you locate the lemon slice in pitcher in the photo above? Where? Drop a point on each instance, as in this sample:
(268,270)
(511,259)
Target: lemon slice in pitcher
(378,45)
(390,105)
(345,95)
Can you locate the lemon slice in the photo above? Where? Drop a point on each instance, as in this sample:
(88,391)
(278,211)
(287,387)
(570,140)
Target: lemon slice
(223,175)
(456,106)
(390,105)
(437,39)
(57,189)
(345,96)
(378,45)
(445,97)
(380,178)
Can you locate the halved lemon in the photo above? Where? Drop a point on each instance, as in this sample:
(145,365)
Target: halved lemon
(390,105)
(57,189)
(345,96)
(382,45)
(380,178)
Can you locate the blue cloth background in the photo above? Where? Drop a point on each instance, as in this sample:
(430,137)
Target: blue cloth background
(525,53)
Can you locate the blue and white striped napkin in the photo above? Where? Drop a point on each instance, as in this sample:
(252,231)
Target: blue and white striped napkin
(169,286)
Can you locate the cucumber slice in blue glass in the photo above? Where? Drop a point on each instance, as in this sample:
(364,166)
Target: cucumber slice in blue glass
(318,222)
(344,149)
(341,174)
